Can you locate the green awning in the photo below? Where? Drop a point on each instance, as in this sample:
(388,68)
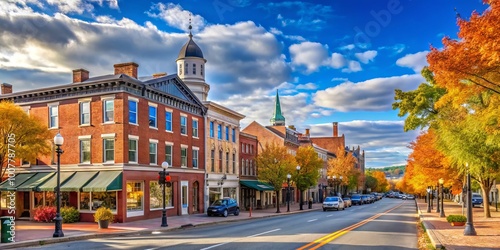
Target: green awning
(51,183)
(10,185)
(34,181)
(105,181)
(77,181)
(261,186)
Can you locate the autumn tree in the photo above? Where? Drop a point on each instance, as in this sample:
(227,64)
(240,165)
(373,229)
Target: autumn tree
(343,165)
(22,136)
(382,184)
(274,163)
(310,164)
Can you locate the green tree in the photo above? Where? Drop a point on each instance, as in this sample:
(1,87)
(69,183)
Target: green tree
(371,182)
(274,163)
(310,164)
(21,136)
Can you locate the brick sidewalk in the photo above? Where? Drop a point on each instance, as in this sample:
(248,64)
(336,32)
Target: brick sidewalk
(452,237)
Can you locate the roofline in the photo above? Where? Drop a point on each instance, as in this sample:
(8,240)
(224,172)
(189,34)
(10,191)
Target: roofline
(210,103)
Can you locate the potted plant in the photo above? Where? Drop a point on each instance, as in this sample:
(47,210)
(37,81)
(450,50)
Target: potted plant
(103,216)
(456,220)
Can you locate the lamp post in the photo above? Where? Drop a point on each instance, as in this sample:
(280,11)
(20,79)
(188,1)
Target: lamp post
(300,191)
(441,182)
(334,178)
(288,176)
(164,165)
(438,209)
(58,141)
(428,199)
(469,226)
(340,186)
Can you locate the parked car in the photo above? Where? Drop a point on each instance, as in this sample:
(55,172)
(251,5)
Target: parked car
(356,199)
(333,202)
(347,201)
(224,207)
(410,197)
(477,199)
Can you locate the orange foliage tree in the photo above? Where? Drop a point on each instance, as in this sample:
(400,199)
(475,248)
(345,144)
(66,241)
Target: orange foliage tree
(343,165)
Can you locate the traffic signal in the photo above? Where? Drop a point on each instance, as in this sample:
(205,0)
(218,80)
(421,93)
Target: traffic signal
(161,177)
(167,180)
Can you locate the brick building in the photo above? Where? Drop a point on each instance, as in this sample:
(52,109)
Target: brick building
(117,129)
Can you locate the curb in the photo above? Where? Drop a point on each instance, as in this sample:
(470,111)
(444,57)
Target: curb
(47,241)
(429,229)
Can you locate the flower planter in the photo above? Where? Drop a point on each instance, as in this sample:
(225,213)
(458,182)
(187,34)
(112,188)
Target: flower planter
(457,224)
(103,224)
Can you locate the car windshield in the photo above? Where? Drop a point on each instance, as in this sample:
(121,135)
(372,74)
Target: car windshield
(219,203)
(331,199)
(476,196)
(347,198)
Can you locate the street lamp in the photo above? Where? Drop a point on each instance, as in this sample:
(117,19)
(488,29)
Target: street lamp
(58,140)
(164,165)
(428,199)
(288,176)
(469,226)
(441,182)
(340,186)
(300,191)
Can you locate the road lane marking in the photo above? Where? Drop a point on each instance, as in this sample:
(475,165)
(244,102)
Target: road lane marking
(329,215)
(250,236)
(329,237)
(312,220)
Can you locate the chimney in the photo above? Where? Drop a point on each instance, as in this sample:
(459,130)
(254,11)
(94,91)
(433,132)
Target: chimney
(129,68)
(5,89)
(158,75)
(335,129)
(80,75)
(307,132)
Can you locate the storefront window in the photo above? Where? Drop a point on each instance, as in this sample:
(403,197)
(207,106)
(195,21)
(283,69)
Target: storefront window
(103,199)
(156,195)
(84,201)
(230,192)
(38,199)
(50,198)
(135,195)
(214,194)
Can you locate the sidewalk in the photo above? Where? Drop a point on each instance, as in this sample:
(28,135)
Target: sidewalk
(30,233)
(442,234)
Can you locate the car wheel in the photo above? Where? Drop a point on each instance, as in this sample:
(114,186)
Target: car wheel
(343,208)
(209,215)
(324,209)
(225,213)
(237,212)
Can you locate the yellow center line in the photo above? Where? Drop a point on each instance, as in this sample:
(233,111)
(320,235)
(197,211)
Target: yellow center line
(327,238)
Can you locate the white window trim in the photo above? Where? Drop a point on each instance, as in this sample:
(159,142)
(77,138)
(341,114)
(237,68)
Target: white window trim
(155,142)
(80,112)
(153,104)
(133,137)
(197,159)
(50,105)
(136,139)
(84,137)
(136,110)
(169,143)
(104,150)
(103,101)
(150,104)
(130,98)
(196,148)
(108,136)
(107,97)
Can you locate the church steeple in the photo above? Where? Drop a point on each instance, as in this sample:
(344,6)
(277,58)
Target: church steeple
(278,119)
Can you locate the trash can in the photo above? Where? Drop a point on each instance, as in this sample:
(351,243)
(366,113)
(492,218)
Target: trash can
(7,236)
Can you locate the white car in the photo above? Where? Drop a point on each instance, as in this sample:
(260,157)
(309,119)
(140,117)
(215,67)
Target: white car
(333,202)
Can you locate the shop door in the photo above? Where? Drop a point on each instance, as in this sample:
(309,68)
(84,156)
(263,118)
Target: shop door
(184,197)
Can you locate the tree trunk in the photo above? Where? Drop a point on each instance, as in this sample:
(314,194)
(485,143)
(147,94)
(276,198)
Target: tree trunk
(278,201)
(486,185)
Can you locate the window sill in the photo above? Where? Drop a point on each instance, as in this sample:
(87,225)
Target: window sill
(54,128)
(155,128)
(169,131)
(108,123)
(108,163)
(85,125)
(84,164)
(135,124)
(184,134)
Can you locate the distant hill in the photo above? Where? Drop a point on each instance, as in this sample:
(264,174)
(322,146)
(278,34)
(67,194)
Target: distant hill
(391,172)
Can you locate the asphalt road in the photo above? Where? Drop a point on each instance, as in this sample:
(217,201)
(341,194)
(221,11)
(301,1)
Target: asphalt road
(386,224)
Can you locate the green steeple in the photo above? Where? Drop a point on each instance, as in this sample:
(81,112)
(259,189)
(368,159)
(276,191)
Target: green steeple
(278,119)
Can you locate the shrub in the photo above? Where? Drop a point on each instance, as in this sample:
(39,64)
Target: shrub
(70,214)
(103,213)
(44,213)
(456,218)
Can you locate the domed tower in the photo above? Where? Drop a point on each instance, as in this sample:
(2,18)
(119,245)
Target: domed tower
(191,68)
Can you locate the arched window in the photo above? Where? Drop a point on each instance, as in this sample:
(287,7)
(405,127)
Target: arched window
(194,69)
(186,69)
(201,69)
(180,68)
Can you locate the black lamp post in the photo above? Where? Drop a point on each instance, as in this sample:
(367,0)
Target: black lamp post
(58,140)
(288,176)
(429,199)
(441,182)
(469,226)
(438,209)
(340,187)
(164,165)
(300,191)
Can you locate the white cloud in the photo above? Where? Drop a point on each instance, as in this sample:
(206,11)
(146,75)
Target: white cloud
(289,37)
(372,95)
(415,61)
(341,79)
(175,16)
(307,86)
(366,56)
(348,47)
(337,61)
(312,55)
(352,66)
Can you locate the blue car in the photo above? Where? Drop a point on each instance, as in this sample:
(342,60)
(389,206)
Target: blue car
(477,199)
(223,207)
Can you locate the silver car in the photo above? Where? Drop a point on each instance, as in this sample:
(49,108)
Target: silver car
(333,202)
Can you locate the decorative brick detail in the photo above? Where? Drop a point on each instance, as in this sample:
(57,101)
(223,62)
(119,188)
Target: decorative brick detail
(80,75)
(129,68)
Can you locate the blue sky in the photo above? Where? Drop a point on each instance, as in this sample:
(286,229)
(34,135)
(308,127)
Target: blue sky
(332,61)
